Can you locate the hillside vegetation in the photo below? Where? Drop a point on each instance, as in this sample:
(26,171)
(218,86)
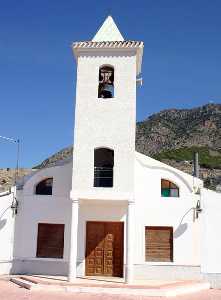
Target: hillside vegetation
(208,158)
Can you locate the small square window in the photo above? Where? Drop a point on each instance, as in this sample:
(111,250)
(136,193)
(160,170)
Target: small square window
(169,189)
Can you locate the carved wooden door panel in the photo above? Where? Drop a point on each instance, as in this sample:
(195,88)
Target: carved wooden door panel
(94,248)
(104,249)
(113,249)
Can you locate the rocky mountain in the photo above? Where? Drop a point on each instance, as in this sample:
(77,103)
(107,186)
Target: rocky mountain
(172,136)
(7,177)
(179,128)
(64,154)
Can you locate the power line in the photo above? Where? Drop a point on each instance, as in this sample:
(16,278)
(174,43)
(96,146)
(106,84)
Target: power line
(8,139)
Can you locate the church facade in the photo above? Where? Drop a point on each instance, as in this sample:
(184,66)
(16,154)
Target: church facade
(111,211)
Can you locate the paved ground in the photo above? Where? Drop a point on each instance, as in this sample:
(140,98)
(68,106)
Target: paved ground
(9,291)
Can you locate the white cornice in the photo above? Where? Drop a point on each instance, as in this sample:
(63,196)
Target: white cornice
(87,47)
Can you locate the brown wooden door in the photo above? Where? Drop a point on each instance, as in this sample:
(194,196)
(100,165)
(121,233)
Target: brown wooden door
(104,249)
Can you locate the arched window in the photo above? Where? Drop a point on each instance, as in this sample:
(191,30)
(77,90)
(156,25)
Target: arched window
(44,187)
(169,189)
(103,167)
(106,82)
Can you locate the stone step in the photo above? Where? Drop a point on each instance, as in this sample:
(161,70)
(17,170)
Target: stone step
(27,284)
(29,278)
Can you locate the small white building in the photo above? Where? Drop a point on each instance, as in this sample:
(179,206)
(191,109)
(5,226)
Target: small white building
(112,211)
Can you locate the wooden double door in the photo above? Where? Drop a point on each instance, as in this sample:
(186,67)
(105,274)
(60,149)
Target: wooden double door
(104,248)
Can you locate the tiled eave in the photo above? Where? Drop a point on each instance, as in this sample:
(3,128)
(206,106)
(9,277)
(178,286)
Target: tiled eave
(106,44)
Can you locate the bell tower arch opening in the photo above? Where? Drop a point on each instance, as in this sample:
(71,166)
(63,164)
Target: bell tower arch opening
(106,82)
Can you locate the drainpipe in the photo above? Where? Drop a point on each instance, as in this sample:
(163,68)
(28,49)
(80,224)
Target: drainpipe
(196,172)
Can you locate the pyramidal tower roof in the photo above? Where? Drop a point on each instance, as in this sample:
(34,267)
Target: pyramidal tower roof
(109,38)
(108,32)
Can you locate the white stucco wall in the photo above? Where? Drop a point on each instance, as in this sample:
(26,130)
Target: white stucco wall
(6,233)
(34,209)
(105,122)
(211,226)
(150,210)
(154,210)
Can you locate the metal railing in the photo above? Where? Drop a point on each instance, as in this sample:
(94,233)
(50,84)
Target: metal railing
(103,176)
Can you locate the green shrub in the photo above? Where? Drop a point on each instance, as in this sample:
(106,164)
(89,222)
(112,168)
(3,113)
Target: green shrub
(205,158)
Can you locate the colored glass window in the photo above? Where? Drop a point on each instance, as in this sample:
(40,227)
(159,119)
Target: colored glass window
(169,189)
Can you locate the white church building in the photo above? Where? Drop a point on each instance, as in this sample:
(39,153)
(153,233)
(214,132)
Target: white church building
(111,211)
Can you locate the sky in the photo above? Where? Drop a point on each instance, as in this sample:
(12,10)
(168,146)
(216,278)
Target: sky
(181,63)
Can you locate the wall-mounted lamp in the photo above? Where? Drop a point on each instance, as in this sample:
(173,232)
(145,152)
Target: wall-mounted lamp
(14,206)
(198,209)
(139,81)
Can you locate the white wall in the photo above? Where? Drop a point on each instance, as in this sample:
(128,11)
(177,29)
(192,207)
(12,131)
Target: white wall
(150,210)
(6,233)
(154,210)
(211,228)
(34,209)
(105,122)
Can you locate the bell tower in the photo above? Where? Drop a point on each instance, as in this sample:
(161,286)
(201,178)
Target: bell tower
(105,115)
(104,133)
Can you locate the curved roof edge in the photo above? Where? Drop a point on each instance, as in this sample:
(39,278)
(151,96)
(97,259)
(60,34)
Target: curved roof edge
(59,163)
(190,181)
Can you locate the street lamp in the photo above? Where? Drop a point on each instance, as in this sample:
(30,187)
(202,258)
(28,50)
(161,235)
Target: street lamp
(14,205)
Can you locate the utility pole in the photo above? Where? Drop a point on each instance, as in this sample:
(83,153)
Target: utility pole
(17,141)
(14,205)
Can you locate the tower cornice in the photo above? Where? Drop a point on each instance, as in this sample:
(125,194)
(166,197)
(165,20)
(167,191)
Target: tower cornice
(82,46)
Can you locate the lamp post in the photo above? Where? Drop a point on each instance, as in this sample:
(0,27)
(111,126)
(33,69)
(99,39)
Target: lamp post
(14,205)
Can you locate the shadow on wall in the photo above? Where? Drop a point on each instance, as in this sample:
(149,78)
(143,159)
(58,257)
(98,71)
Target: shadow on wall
(180,230)
(3,221)
(182,227)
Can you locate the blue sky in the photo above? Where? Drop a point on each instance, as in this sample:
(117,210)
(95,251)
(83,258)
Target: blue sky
(181,64)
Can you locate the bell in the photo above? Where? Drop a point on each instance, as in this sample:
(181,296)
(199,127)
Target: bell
(107,91)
